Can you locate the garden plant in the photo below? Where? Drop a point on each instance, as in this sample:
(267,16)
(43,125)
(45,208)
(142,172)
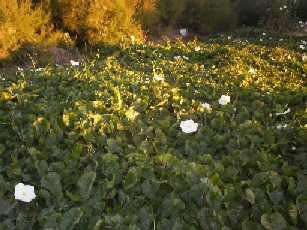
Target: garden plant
(205,134)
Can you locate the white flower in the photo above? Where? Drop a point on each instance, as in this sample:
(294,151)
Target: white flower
(74,63)
(184,57)
(177,57)
(158,78)
(229,37)
(281,126)
(284,113)
(285,7)
(183,32)
(24,193)
(197,48)
(188,126)
(263,34)
(19,69)
(300,22)
(293,148)
(3,79)
(302,47)
(261,39)
(39,69)
(224,100)
(304,58)
(252,71)
(132,38)
(206,106)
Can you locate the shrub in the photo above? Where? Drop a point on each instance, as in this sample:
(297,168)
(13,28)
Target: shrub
(22,26)
(202,16)
(251,11)
(207,16)
(96,22)
(276,14)
(147,15)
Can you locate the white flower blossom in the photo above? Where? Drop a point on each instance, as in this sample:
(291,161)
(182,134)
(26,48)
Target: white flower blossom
(206,106)
(24,193)
(281,126)
(304,58)
(177,57)
(252,71)
(183,32)
(132,38)
(224,100)
(19,69)
(158,78)
(284,113)
(197,48)
(188,126)
(186,58)
(74,63)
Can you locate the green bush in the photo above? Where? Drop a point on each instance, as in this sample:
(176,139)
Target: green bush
(207,16)
(276,14)
(202,16)
(251,11)
(22,26)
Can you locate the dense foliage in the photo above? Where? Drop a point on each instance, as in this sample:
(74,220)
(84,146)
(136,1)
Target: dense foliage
(22,26)
(96,22)
(30,28)
(102,146)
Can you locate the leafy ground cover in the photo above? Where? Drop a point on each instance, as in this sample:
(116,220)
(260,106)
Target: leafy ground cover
(102,143)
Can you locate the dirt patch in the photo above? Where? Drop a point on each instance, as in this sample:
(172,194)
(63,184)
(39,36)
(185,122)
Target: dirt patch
(61,56)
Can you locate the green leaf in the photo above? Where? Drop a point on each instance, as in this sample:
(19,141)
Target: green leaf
(274,221)
(276,197)
(301,188)
(250,196)
(113,146)
(5,207)
(71,218)
(259,179)
(146,218)
(172,207)
(85,184)
(52,182)
(132,177)
(247,225)
(149,189)
(293,212)
(302,208)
